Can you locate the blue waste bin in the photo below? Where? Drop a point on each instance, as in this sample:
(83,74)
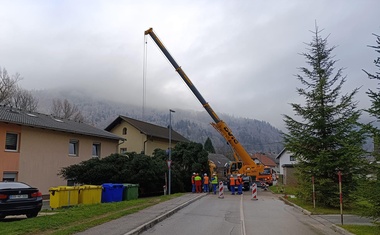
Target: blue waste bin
(112,192)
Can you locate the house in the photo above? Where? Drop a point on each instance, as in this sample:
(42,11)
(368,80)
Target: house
(34,147)
(287,171)
(264,160)
(219,160)
(142,137)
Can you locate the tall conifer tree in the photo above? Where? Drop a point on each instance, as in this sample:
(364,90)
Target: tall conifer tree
(324,134)
(208,146)
(371,191)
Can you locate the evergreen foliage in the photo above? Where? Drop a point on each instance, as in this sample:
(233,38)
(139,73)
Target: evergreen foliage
(326,137)
(371,189)
(148,172)
(208,146)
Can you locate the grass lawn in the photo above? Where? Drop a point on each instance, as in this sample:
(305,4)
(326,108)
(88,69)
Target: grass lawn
(318,210)
(362,229)
(78,218)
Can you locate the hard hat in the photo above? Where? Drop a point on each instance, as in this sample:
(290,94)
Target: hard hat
(232,176)
(194,173)
(214,174)
(238,174)
(205,174)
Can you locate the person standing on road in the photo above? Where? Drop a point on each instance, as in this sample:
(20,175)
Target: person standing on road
(232,185)
(206,183)
(214,182)
(239,183)
(198,183)
(193,183)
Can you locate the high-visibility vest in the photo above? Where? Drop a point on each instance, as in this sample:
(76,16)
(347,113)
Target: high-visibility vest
(197,178)
(232,181)
(205,180)
(214,180)
(237,181)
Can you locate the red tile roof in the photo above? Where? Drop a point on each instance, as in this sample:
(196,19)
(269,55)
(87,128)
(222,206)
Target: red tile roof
(264,159)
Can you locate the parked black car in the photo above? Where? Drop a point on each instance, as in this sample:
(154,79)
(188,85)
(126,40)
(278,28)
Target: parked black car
(18,198)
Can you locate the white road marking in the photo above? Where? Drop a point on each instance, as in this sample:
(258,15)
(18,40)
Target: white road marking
(243,232)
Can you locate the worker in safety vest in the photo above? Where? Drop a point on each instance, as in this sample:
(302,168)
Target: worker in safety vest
(239,183)
(193,183)
(206,183)
(198,183)
(214,182)
(232,185)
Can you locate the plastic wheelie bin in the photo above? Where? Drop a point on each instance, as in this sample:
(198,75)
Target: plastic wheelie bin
(112,192)
(130,192)
(63,196)
(90,194)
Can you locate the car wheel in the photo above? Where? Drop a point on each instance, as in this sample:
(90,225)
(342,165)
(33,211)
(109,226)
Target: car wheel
(32,215)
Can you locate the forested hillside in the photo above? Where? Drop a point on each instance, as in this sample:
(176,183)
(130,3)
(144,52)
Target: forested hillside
(254,135)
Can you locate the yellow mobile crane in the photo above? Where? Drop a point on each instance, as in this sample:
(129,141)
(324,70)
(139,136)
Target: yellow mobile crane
(243,163)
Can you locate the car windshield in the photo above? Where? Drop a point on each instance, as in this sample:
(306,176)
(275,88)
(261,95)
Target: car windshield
(4,185)
(266,171)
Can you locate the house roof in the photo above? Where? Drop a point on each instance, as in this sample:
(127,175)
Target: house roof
(265,160)
(148,129)
(280,154)
(219,159)
(48,122)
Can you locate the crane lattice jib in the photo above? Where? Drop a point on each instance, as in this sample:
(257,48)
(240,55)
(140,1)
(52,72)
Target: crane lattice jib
(219,125)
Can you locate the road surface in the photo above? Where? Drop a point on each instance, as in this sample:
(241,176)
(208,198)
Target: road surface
(239,215)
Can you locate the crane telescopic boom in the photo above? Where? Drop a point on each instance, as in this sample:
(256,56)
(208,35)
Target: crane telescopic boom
(249,167)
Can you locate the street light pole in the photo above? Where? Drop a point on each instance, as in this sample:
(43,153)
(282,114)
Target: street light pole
(170,148)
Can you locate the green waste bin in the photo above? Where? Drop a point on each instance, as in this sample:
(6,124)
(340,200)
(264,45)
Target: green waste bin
(131,192)
(63,196)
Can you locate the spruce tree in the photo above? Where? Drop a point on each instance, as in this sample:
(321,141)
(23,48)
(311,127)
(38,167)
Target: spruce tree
(324,134)
(208,146)
(371,190)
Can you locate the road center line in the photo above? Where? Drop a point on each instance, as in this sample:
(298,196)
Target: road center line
(242,216)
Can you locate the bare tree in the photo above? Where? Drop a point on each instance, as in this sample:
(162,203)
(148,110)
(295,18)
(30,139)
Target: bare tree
(64,109)
(23,99)
(8,86)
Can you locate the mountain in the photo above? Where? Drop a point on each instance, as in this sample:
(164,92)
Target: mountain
(254,135)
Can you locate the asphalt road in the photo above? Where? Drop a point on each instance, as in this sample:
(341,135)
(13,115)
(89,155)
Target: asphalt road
(239,215)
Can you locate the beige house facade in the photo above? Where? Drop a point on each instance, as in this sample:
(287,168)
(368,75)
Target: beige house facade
(34,147)
(142,137)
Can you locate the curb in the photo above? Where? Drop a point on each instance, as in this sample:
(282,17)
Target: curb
(160,218)
(306,212)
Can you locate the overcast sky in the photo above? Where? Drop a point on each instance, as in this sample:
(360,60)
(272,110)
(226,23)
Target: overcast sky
(241,55)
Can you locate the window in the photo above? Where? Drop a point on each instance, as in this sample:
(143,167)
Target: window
(96,150)
(9,177)
(292,158)
(123,151)
(11,142)
(73,147)
(124,131)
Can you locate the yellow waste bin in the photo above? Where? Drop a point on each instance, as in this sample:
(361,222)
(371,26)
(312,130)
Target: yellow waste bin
(63,196)
(90,194)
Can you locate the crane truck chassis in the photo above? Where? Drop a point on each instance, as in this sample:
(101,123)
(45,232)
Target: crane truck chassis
(243,163)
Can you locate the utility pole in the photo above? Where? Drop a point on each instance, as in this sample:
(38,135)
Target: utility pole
(170,149)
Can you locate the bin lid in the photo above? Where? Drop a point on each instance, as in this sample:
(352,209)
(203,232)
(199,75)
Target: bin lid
(107,185)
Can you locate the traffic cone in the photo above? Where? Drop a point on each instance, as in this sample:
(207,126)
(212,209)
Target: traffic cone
(221,190)
(254,191)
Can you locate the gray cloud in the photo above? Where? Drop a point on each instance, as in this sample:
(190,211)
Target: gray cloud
(241,55)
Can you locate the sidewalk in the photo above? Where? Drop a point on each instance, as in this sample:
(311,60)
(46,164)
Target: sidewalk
(135,223)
